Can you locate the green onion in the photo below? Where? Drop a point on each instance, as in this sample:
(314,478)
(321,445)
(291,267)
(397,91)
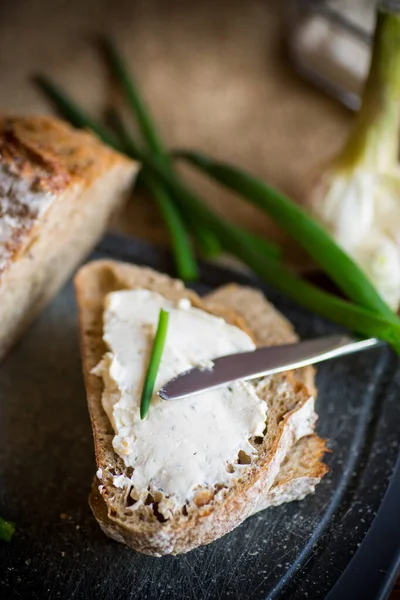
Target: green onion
(267,249)
(129,145)
(251,251)
(154,363)
(328,305)
(185,262)
(7,530)
(357,194)
(207,242)
(303,228)
(134,98)
(133,149)
(72,112)
(186,265)
(373,143)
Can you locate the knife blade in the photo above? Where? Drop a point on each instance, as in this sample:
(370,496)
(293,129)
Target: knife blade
(261,362)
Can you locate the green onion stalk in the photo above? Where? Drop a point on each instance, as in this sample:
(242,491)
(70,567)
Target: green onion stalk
(367,314)
(348,314)
(357,198)
(303,228)
(72,112)
(154,363)
(185,261)
(206,241)
(7,530)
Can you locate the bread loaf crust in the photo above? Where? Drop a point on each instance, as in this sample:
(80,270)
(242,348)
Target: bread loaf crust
(58,188)
(50,157)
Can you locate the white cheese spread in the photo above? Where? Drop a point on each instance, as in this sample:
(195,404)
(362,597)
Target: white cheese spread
(185,444)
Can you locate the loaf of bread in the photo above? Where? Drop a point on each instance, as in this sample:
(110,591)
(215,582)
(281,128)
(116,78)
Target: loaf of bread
(288,461)
(58,188)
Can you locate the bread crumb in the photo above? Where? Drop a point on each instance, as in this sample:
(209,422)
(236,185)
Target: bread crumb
(184,304)
(121,481)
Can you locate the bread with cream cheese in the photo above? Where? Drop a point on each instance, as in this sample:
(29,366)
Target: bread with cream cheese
(288,463)
(58,188)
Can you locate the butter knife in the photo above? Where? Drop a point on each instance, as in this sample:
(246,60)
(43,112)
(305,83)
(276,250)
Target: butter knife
(261,362)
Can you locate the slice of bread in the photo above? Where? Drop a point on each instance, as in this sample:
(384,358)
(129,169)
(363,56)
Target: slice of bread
(58,188)
(213,512)
(299,473)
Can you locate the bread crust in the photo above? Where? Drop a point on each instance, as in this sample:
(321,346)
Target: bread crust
(58,189)
(51,157)
(291,417)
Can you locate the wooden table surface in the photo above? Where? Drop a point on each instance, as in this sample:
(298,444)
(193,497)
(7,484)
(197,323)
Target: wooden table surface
(214,76)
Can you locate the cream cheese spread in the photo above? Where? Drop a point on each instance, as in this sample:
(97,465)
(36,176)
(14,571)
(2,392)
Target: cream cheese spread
(186,444)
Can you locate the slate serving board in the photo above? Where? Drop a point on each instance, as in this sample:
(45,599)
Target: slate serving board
(293,551)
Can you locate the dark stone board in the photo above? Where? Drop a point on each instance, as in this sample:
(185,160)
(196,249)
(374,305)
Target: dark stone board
(294,551)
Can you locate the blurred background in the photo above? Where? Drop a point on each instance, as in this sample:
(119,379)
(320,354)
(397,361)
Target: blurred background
(215,75)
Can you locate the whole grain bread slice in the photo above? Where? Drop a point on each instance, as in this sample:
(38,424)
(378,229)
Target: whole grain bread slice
(213,512)
(299,473)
